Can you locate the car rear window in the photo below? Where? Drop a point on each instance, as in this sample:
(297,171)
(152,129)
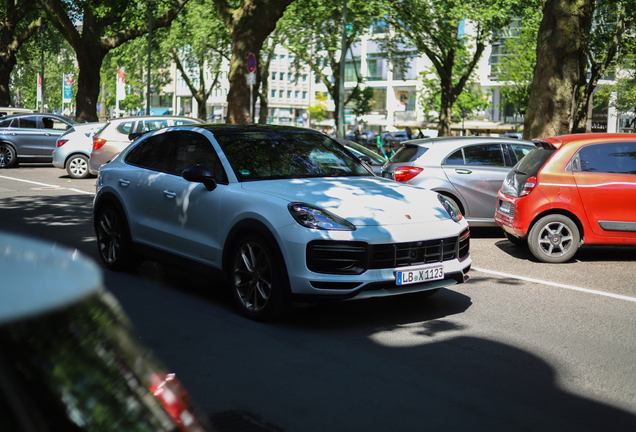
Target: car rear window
(527,167)
(408,153)
(125,127)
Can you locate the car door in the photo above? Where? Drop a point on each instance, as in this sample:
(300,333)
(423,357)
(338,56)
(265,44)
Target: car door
(141,187)
(190,212)
(478,178)
(25,133)
(605,176)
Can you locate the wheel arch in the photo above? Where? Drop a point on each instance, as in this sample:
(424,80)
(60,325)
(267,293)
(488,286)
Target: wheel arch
(256,227)
(75,153)
(109,199)
(563,212)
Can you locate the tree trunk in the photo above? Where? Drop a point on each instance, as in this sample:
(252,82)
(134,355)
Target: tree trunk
(7,63)
(249,27)
(560,69)
(88,84)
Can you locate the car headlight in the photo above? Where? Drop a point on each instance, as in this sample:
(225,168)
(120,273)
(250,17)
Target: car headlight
(450,208)
(314,217)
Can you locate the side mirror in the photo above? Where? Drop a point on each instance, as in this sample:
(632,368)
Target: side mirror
(198,174)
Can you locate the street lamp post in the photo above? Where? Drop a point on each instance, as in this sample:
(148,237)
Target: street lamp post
(151,4)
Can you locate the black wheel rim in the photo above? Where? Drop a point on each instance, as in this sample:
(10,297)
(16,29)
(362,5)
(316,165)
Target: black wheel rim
(109,236)
(6,156)
(252,277)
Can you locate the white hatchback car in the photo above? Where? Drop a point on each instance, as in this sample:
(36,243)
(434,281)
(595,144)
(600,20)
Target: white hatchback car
(73,149)
(284,213)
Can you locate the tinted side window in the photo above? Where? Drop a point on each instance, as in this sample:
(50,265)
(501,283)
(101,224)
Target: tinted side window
(29,122)
(484,154)
(125,127)
(155,153)
(5,123)
(456,158)
(408,153)
(619,158)
(521,150)
(195,150)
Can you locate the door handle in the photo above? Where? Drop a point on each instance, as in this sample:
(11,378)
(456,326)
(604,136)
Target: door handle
(169,194)
(124,182)
(463,171)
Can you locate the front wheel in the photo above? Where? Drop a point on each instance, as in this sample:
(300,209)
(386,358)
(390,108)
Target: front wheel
(77,167)
(257,279)
(8,157)
(554,239)
(113,239)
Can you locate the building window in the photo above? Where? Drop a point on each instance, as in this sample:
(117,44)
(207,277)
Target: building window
(273,93)
(305,78)
(282,76)
(273,75)
(288,94)
(304,95)
(280,94)
(289,77)
(296,94)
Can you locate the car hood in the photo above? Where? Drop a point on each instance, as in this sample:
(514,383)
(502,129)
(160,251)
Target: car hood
(363,201)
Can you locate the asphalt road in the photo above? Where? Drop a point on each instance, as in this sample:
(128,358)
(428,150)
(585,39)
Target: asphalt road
(522,346)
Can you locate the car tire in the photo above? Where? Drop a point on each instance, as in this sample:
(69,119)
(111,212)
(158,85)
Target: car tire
(113,239)
(554,239)
(8,156)
(77,167)
(520,242)
(258,279)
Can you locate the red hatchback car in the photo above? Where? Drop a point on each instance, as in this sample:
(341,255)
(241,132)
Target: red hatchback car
(569,190)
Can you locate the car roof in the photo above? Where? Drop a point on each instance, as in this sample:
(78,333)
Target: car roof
(31,114)
(44,277)
(584,138)
(161,117)
(229,129)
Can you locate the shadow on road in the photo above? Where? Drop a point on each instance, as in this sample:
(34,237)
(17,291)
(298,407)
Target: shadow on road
(394,364)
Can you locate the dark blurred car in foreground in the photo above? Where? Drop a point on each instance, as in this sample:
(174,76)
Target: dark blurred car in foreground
(467,170)
(569,191)
(69,360)
(74,149)
(30,137)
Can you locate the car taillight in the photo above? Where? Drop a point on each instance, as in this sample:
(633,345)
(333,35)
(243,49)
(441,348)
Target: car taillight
(528,186)
(98,143)
(406,173)
(61,142)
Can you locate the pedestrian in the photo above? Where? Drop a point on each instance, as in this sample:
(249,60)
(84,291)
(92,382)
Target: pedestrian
(409,134)
(357,134)
(419,133)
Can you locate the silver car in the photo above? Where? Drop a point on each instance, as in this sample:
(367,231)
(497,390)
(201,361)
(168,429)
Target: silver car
(115,136)
(74,149)
(467,170)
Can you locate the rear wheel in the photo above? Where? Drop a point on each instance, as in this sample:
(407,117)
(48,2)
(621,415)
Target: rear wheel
(113,239)
(554,239)
(77,167)
(8,157)
(257,279)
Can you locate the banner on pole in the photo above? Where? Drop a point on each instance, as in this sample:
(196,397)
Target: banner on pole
(67,88)
(38,97)
(121,84)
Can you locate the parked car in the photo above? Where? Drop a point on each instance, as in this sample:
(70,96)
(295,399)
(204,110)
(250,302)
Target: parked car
(365,137)
(69,359)
(6,111)
(392,140)
(374,160)
(467,170)
(570,190)
(284,213)
(114,136)
(74,149)
(30,137)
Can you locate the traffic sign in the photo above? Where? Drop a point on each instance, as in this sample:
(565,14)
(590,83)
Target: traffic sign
(251,63)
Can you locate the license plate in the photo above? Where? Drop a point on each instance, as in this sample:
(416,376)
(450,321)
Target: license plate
(419,275)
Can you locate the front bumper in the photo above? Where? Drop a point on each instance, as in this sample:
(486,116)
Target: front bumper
(374,277)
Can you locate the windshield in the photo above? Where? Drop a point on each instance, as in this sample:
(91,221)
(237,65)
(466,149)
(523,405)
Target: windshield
(287,155)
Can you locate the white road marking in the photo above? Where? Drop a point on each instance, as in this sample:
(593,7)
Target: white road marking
(558,285)
(47,185)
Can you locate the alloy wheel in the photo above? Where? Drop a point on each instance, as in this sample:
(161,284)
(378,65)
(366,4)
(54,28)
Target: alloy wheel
(252,276)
